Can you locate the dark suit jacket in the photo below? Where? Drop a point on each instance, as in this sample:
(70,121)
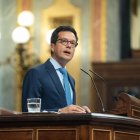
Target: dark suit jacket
(42,81)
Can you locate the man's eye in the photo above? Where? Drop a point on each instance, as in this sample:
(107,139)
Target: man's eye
(72,42)
(65,41)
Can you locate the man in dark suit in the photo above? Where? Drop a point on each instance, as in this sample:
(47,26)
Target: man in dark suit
(46,80)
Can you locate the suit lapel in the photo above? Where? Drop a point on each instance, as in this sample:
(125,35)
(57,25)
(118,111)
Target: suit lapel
(52,72)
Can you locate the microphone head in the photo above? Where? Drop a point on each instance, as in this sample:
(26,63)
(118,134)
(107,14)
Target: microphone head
(86,73)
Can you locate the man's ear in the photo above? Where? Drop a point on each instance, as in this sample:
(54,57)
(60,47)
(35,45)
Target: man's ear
(52,47)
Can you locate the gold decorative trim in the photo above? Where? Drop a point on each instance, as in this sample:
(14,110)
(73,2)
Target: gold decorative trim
(129,133)
(13,129)
(57,129)
(17,130)
(104,130)
(134,111)
(19,78)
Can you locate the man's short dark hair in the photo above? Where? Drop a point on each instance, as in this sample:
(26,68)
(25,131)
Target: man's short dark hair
(55,33)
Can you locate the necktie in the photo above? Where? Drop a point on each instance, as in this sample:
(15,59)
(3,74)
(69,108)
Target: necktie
(66,85)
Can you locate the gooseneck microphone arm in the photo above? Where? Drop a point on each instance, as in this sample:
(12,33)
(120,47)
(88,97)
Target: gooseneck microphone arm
(97,75)
(97,92)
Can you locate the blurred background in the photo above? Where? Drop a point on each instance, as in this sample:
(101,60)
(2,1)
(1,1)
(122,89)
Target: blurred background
(109,44)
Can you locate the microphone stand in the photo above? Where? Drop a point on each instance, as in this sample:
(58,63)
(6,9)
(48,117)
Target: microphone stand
(93,82)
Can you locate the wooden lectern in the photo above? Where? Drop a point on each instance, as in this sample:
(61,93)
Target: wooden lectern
(127,105)
(67,126)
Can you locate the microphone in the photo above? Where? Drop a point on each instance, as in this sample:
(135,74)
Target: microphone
(97,92)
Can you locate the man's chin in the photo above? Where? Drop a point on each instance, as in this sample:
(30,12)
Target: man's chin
(67,57)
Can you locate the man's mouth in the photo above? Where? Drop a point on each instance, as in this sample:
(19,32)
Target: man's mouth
(67,52)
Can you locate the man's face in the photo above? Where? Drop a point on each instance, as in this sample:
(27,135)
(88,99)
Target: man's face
(63,50)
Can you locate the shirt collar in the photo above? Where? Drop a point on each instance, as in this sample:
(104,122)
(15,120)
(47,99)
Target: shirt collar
(55,63)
